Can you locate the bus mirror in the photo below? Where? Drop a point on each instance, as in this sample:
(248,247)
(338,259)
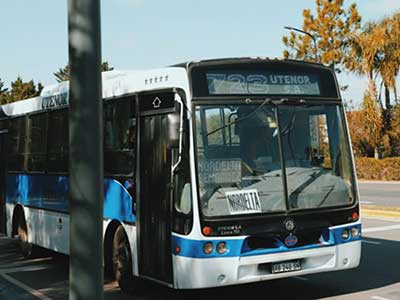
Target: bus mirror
(173,130)
(184,203)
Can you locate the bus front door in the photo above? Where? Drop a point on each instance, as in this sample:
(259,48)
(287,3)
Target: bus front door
(154,202)
(3,164)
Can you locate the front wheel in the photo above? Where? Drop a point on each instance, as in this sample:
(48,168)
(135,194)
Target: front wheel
(22,231)
(122,262)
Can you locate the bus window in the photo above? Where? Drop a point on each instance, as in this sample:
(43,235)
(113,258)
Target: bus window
(58,142)
(319,152)
(215,119)
(119,137)
(314,155)
(16,144)
(36,155)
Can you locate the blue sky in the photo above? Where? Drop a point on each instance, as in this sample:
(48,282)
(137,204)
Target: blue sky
(141,34)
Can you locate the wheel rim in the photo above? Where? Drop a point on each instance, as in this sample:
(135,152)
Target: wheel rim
(121,258)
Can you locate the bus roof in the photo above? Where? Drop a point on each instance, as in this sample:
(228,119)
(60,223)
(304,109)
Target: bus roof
(258,59)
(114,84)
(117,83)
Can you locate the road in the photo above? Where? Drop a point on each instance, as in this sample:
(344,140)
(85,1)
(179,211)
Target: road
(377,277)
(382,194)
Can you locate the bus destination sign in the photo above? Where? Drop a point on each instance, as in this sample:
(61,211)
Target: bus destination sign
(247,82)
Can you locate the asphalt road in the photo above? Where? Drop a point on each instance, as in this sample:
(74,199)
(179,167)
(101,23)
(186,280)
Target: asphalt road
(381,194)
(377,278)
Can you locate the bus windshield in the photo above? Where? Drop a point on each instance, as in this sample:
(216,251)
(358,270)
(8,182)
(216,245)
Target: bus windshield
(241,150)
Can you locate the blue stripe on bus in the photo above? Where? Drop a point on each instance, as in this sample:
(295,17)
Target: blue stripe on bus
(236,247)
(51,193)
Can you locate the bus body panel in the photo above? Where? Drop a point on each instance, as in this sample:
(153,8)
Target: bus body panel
(50,193)
(50,230)
(213,272)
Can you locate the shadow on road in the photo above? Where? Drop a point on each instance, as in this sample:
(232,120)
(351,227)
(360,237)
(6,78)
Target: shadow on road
(379,268)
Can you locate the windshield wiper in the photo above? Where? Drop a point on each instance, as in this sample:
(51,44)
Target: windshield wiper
(266,101)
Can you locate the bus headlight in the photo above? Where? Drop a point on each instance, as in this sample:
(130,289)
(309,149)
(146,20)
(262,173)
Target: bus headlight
(355,232)
(221,247)
(345,234)
(208,248)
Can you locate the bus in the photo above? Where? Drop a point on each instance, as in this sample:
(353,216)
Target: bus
(216,172)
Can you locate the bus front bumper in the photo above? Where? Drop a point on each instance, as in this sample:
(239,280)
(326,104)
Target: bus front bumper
(194,273)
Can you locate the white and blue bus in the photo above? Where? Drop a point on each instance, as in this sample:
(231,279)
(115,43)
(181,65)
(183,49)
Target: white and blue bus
(216,172)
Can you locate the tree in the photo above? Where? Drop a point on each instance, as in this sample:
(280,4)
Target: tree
(3,93)
(372,123)
(361,147)
(23,90)
(388,64)
(375,53)
(364,49)
(63,73)
(331,28)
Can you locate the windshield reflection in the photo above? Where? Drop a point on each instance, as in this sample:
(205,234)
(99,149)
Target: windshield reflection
(239,161)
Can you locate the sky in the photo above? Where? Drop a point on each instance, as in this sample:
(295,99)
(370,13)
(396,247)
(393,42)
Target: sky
(143,34)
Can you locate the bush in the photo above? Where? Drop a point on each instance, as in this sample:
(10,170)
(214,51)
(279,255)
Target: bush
(378,169)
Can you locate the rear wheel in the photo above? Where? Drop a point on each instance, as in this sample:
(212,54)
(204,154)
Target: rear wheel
(122,262)
(22,232)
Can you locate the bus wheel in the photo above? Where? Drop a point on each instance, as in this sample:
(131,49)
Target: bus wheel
(22,231)
(122,261)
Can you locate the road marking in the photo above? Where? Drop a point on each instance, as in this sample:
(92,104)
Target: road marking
(367,202)
(381,228)
(30,290)
(371,242)
(25,269)
(301,278)
(379,298)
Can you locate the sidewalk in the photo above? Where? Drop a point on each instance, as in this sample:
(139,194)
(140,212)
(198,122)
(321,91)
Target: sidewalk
(8,253)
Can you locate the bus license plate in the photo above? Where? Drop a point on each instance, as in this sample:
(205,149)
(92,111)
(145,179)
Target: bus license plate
(286,266)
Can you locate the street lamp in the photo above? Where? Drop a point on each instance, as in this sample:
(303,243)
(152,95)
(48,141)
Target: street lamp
(309,34)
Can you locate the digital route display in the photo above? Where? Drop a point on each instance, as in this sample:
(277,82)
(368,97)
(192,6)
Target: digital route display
(267,83)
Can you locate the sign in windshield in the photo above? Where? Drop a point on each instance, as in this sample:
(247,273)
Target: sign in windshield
(255,82)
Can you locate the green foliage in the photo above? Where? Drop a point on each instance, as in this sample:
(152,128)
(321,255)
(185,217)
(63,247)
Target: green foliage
(3,92)
(378,169)
(372,121)
(331,27)
(19,90)
(63,73)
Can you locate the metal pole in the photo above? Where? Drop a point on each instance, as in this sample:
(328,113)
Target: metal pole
(310,35)
(86,151)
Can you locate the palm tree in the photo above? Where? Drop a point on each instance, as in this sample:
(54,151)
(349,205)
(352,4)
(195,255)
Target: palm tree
(365,48)
(389,60)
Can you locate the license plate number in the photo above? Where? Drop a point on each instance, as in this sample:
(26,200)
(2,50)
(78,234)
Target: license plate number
(286,266)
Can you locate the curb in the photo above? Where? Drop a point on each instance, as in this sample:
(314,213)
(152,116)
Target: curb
(378,181)
(380,211)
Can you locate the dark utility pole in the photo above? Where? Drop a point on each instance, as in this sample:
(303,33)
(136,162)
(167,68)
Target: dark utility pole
(86,151)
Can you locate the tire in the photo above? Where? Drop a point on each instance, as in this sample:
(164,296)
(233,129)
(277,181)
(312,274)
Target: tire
(23,241)
(122,262)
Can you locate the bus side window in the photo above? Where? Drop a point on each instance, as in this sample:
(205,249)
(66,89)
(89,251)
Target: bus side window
(36,154)
(16,145)
(58,141)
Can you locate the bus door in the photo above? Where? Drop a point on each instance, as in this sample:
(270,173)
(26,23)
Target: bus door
(3,172)
(154,195)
